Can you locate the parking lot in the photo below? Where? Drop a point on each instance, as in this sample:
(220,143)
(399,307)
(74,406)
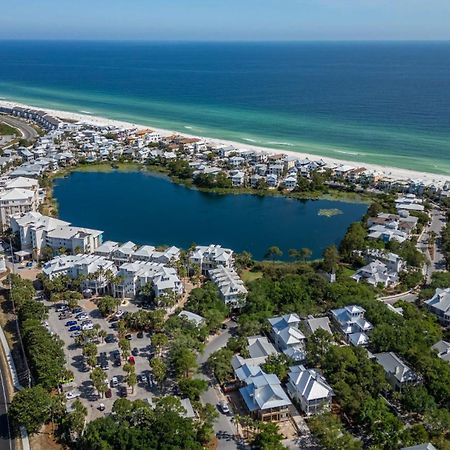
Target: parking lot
(75,360)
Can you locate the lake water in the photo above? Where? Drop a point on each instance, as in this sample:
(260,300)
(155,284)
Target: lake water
(149,209)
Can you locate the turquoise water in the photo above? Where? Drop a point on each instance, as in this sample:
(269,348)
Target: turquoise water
(385,103)
(149,209)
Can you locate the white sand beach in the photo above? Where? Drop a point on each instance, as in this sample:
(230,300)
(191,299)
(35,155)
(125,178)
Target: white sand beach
(391,172)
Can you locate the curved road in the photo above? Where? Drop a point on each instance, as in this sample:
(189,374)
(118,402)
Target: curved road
(27,131)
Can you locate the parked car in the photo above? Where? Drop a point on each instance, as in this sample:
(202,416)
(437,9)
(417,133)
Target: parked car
(75,328)
(108,393)
(82,316)
(75,334)
(140,334)
(29,264)
(72,394)
(224,407)
(87,326)
(114,382)
(62,308)
(119,314)
(123,391)
(110,338)
(71,323)
(135,351)
(77,310)
(128,336)
(101,407)
(131,360)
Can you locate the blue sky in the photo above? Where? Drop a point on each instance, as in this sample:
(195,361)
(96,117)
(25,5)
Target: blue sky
(225,19)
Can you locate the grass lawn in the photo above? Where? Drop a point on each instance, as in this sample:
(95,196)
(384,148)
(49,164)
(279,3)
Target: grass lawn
(107,167)
(6,130)
(248,276)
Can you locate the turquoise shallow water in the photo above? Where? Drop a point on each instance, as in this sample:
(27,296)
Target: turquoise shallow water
(149,209)
(384,103)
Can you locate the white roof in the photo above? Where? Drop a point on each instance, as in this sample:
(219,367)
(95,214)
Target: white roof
(16,194)
(309,383)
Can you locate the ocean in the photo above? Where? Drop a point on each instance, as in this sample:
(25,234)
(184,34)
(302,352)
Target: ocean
(386,103)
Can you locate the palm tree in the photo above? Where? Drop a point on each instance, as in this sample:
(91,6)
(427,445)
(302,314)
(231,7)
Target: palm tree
(273,252)
(102,334)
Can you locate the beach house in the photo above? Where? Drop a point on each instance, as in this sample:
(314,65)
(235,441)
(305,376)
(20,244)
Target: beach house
(310,389)
(398,374)
(210,257)
(351,323)
(287,336)
(231,287)
(439,305)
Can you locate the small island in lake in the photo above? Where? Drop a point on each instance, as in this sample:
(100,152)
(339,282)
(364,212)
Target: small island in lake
(329,212)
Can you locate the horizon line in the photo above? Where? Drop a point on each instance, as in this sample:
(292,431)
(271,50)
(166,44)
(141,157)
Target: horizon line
(206,41)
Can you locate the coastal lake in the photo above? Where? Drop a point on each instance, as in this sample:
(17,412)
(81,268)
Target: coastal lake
(151,209)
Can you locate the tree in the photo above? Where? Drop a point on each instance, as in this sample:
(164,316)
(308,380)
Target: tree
(220,364)
(77,418)
(277,364)
(416,399)
(125,347)
(98,378)
(305,253)
(317,347)
(159,369)
(192,388)
(331,434)
(31,408)
(107,305)
(273,253)
(268,437)
(354,239)
(90,352)
(183,360)
(330,259)
(159,341)
(132,378)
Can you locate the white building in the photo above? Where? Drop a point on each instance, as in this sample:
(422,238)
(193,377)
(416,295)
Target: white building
(33,228)
(310,389)
(376,273)
(439,305)
(210,257)
(16,201)
(287,337)
(74,239)
(352,324)
(136,275)
(231,287)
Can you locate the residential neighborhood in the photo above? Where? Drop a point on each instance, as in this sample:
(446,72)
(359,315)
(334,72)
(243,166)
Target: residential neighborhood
(309,351)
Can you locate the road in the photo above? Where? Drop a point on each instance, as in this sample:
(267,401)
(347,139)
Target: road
(28,132)
(7,442)
(436,261)
(213,395)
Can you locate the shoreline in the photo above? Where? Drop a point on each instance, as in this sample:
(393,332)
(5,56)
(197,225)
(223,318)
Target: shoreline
(386,171)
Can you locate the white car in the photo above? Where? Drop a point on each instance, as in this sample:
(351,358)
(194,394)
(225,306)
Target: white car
(62,308)
(72,394)
(119,313)
(224,407)
(87,326)
(114,382)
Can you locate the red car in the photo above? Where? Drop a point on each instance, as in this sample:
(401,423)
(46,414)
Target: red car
(108,393)
(131,360)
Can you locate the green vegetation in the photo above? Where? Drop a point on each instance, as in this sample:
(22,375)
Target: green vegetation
(136,425)
(329,212)
(44,351)
(7,130)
